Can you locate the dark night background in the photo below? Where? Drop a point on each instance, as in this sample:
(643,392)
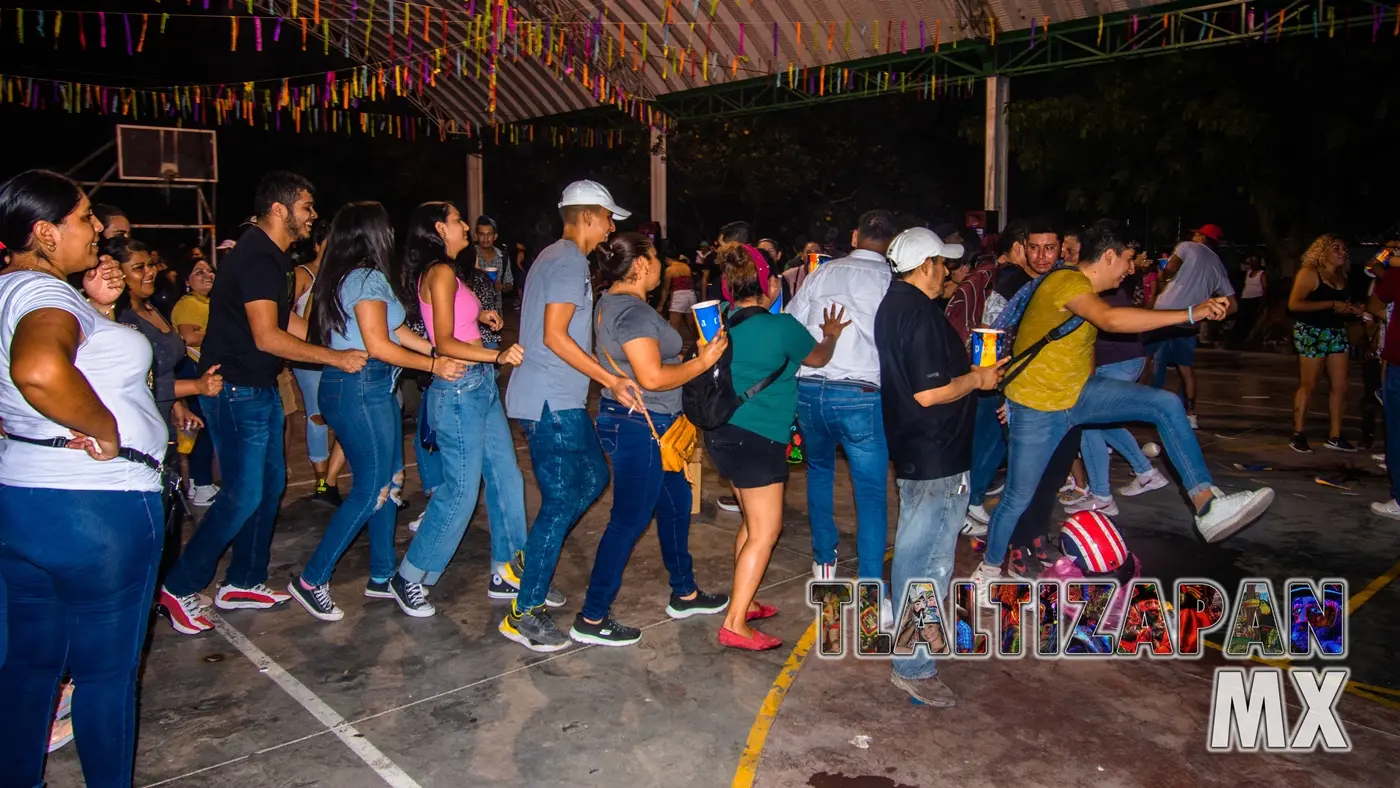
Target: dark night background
(1276,142)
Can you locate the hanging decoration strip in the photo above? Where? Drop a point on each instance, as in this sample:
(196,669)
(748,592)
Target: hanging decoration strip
(418,44)
(253,107)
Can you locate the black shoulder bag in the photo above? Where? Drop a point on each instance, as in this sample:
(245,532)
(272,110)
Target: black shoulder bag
(172,502)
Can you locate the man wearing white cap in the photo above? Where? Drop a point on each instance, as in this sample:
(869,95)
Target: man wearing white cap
(548,395)
(925,382)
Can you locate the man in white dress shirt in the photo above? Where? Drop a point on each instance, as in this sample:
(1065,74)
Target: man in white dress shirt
(840,403)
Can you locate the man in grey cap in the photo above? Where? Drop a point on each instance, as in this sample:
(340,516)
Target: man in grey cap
(548,395)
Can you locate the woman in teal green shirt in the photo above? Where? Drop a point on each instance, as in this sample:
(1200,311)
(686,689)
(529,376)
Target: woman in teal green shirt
(751,450)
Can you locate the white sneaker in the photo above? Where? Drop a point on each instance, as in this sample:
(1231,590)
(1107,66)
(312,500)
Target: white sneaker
(1144,482)
(973,528)
(981,577)
(1093,503)
(886,615)
(1390,509)
(203,494)
(413,525)
(1229,514)
(824,571)
(996,490)
(979,513)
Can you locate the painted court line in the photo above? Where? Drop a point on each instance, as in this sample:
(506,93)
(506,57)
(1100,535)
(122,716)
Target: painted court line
(1364,595)
(358,744)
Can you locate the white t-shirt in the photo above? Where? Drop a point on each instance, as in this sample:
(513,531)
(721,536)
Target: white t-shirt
(1201,276)
(115,359)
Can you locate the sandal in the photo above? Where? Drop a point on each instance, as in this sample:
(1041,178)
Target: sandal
(759,641)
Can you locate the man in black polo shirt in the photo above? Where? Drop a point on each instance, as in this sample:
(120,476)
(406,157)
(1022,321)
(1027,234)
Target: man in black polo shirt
(925,382)
(248,339)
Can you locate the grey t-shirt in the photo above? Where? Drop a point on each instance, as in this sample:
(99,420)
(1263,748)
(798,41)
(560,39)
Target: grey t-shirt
(1201,276)
(559,275)
(625,318)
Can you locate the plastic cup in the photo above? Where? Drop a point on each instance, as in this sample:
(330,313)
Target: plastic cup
(707,321)
(493,273)
(986,346)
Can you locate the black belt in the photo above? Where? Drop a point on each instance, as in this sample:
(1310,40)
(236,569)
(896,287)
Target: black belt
(124,452)
(867,388)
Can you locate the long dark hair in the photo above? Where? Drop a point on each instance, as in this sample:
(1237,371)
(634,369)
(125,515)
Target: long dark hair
(120,248)
(361,236)
(32,197)
(424,248)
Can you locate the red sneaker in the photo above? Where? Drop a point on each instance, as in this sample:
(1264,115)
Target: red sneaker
(759,641)
(259,597)
(184,613)
(763,611)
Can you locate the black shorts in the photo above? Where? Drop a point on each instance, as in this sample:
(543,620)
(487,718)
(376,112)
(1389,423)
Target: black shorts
(746,458)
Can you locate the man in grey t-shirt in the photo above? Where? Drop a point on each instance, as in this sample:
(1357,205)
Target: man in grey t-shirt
(1197,275)
(548,395)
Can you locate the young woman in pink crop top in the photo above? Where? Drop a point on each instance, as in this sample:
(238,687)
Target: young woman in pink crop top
(465,417)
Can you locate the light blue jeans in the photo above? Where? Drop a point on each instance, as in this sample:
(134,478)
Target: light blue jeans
(318,440)
(1093,445)
(931,514)
(1035,434)
(850,415)
(474,443)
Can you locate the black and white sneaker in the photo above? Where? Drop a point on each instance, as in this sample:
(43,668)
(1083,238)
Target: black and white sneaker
(728,503)
(1338,443)
(317,601)
(411,597)
(1299,443)
(378,589)
(604,633)
(702,605)
(498,588)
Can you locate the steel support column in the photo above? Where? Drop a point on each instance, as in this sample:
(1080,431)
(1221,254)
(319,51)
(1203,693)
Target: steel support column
(997,155)
(658,180)
(476,201)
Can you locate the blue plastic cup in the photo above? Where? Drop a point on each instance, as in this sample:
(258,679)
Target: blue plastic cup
(707,320)
(491,272)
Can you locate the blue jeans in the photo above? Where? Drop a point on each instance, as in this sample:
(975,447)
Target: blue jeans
(830,413)
(1035,434)
(201,456)
(429,462)
(1391,394)
(988,446)
(360,407)
(571,472)
(1093,446)
(246,425)
(931,514)
(474,442)
(79,588)
(318,439)
(1174,351)
(649,490)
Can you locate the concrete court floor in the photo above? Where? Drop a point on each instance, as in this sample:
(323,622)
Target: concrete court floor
(280,699)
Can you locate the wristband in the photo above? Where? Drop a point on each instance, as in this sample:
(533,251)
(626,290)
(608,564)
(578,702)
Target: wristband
(1191,315)
(497,362)
(433,366)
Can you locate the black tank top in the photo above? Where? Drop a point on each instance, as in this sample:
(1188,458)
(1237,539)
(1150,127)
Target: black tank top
(1325,318)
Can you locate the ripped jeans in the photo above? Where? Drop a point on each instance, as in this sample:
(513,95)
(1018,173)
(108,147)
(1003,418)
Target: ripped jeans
(361,408)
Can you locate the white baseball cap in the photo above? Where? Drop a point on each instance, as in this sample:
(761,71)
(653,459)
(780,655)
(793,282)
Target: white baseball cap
(912,247)
(592,193)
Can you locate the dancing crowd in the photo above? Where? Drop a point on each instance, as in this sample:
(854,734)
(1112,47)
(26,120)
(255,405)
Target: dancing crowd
(868,351)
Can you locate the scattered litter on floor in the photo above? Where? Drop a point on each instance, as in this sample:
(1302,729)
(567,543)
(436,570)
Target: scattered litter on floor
(1101,768)
(1325,482)
(1351,494)
(1251,467)
(1257,481)
(1224,437)
(1151,449)
(862,741)
(1300,495)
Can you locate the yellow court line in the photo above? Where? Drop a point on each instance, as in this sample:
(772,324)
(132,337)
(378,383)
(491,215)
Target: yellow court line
(747,769)
(748,762)
(1361,693)
(1372,688)
(1373,588)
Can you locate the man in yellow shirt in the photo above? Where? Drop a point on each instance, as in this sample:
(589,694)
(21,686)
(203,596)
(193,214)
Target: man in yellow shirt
(1055,391)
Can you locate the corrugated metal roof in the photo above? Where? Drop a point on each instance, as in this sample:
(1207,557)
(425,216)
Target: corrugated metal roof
(832,32)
